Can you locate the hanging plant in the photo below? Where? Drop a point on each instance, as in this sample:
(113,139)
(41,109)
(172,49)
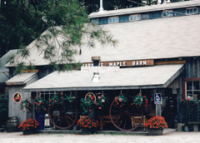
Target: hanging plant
(25,104)
(101,99)
(55,100)
(40,104)
(70,98)
(87,105)
(139,100)
(121,100)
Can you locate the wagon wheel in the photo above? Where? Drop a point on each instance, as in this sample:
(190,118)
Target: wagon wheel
(122,117)
(63,116)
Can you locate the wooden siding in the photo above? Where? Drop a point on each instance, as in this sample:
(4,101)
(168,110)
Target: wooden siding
(193,68)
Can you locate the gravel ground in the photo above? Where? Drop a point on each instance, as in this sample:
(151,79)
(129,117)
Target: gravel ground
(174,137)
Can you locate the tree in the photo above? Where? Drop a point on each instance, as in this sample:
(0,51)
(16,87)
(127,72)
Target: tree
(65,23)
(93,5)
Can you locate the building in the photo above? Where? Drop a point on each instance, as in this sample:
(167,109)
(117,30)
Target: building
(158,52)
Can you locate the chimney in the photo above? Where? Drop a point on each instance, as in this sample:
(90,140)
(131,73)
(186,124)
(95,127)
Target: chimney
(96,77)
(96,60)
(101,6)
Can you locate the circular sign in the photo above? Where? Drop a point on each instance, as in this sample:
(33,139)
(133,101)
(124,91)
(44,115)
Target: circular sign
(91,95)
(17,97)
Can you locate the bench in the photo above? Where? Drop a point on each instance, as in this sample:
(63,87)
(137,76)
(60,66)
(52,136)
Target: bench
(106,119)
(195,125)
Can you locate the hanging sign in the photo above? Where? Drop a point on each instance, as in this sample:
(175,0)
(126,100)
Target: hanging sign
(133,63)
(157,98)
(17,97)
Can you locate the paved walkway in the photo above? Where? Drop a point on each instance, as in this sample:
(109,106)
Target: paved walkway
(173,137)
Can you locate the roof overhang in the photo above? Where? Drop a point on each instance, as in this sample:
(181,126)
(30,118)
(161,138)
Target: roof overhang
(159,76)
(21,79)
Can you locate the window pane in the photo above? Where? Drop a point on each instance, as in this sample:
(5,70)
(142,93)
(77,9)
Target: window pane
(189,85)
(196,95)
(195,11)
(189,94)
(196,85)
(188,11)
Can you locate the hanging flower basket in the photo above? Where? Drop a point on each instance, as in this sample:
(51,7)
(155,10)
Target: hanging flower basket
(26,105)
(121,100)
(140,100)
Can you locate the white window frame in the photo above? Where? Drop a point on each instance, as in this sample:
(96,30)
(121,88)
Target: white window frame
(115,19)
(168,13)
(138,17)
(191,9)
(192,89)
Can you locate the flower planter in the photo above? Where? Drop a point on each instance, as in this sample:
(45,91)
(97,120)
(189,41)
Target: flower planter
(154,131)
(88,130)
(28,132)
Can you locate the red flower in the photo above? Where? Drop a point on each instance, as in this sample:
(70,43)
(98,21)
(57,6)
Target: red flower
(188,99)
(45,109)
(140,94)
(121,106)
(120,100)
(140,105)
(182,99)
(144,96)
(131,103)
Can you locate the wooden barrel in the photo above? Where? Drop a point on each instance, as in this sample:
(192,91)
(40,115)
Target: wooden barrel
(12,124)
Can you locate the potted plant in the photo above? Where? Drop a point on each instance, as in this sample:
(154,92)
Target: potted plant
(156,124)
(41,107)
(100,101)
(87,105)
(55,100)
(88,124)
(28,126)
(140,100)
(25,104)
(70,98)
(121,100)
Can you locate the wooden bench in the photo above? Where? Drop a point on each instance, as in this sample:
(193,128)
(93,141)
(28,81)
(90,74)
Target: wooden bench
(106,119)
(195,125)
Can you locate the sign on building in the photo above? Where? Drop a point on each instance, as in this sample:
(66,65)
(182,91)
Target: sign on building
(157,98)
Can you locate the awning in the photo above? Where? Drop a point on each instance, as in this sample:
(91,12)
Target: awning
(21,79)
(159,76)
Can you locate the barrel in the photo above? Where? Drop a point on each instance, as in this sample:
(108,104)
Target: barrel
(12,124)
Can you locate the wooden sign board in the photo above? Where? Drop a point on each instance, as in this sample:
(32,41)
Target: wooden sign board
(133,63)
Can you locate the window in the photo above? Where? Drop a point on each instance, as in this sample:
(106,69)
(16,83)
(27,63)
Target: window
(167,13)
(190,11)
(124,18)
(145,16)
(135,17)
(94,21)
(103,20)
(193,89)
(113,19)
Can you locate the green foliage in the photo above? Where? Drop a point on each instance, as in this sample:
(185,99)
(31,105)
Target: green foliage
(70,98)
(26,105)
(101,99)
(55,100)
(21,22)
(87,105)
(121,100)
(140,99)
(40,104)
(3,108)
(190,111)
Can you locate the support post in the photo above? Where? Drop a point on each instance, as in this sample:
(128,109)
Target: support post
(158,109)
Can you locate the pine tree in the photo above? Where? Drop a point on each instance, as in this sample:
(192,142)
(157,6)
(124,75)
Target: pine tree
(65,23)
